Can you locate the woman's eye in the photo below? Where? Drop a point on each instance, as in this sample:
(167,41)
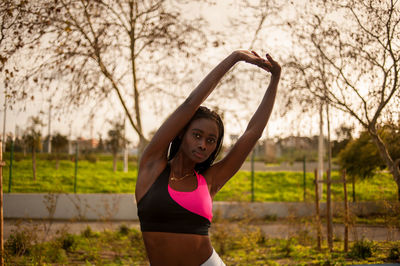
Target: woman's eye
(196,135)
(211,141)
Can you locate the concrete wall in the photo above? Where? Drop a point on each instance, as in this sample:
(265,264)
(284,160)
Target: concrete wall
(70,206)
(268,210)
(123,207)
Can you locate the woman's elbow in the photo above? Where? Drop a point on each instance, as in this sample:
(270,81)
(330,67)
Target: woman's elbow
(253,135)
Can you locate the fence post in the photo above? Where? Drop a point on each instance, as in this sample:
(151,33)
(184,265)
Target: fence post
(317,214)
(76,164)
(329,210)
(1,206)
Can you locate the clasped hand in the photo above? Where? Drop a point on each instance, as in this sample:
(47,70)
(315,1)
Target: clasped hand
(267,64)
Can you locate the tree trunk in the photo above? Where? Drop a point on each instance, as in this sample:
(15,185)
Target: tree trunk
(125,148)
(57,161)
(34,164)
(396,176)
(328,188)
(393,166)
(320,152)
(114,162)
(125,160)
(354,188)
(1,207)
(317,211)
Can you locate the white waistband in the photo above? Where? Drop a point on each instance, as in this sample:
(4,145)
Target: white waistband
(213,260)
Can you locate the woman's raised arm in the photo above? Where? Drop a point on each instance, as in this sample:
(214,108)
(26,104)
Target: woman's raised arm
(222,171)
(154,157)
(158,147)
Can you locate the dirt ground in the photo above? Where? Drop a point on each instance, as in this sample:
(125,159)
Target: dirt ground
(277,229)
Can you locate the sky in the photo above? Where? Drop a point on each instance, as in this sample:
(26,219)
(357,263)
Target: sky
(217,15)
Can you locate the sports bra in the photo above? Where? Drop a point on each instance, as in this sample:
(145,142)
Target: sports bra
(163,209)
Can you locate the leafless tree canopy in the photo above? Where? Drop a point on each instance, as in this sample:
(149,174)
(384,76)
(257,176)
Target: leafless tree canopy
(350,58)
(124,47)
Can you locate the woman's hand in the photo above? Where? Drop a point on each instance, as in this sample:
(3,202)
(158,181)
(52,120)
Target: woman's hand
(267,64)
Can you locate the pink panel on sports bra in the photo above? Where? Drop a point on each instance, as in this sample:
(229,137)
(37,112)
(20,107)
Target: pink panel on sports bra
(197,201)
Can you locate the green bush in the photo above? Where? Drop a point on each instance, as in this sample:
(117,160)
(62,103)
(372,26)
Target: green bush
(68,242)
(394,253)
(48,252)
(362,249)
(135,237)
(88,233)
(18,244)
(123,230)
(287,247)
(90,157)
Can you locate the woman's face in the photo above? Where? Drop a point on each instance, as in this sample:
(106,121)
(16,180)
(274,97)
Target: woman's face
(200,139)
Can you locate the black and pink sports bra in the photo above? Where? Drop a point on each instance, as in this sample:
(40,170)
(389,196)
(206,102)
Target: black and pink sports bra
(163,209)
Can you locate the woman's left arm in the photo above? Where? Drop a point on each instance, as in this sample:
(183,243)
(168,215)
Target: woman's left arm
(223,170)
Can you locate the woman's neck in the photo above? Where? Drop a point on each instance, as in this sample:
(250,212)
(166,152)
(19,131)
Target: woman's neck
(181,165)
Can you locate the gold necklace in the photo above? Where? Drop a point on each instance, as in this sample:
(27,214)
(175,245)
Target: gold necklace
(173,178)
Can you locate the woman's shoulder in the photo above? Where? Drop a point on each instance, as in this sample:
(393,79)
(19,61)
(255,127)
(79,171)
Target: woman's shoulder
(151,167)
(147,175)
(211,175)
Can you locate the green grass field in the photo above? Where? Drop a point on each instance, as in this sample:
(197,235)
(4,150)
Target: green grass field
(95,177)
(98,177)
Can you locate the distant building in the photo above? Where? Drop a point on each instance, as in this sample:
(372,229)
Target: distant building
(271,150)
(84,145)
(296,142)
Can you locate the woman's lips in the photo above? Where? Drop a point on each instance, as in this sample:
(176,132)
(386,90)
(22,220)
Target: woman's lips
(198,155)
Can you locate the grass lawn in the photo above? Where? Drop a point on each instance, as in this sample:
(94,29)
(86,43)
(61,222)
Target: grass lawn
(98,177)
(92,177)
(288,187)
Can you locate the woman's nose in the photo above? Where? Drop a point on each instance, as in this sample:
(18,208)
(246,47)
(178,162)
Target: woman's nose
(202,144)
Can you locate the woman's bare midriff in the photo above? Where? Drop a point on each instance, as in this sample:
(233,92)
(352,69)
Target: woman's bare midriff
(177,249)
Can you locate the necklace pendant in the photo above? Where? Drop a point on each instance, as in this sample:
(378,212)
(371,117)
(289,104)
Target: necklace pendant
(173,178)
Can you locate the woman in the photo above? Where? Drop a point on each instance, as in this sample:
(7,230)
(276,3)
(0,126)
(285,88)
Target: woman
(174,192)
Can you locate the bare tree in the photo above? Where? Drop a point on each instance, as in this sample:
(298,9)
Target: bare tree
(124,47)
(19,28)
(355,62)
(250,23)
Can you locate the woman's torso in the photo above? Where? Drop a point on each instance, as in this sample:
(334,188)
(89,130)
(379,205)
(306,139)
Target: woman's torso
(176,249)
(175,231)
